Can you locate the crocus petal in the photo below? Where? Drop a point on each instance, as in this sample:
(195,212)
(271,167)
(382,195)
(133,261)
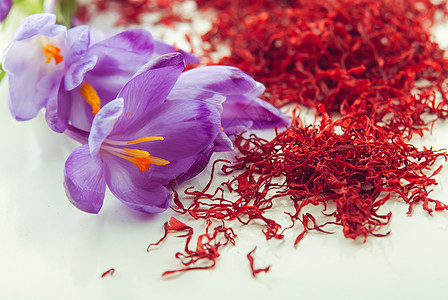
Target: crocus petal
(78,61)
(164,174)
(222,142)
(19,103)
(76,71)
(199,163)
(79,42)
(31,79)
(151,84)
(103,124)
(5,7)
(105,63)
(161,48)
(68,106)
(84,181)
(239,110)
(26,57)
(186,126)
(43,24)
(109,83)
(181,170)
(137,40)
(200,83)
(79,112)
(231,131)
(131,187)
(127,50)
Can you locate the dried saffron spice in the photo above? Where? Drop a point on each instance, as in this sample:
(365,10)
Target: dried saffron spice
(207,249)
(133,11)
(174,225)
(110,272)
(348,167)
(252,266)
(364,57)
(207,245)
(350,175)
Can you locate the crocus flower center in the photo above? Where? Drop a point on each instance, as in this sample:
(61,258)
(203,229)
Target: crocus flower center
(141,159)
(91,96)
(50,52)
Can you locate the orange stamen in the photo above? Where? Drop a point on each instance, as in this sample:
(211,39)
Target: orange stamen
(91,96)
(146,139)
(142,163)
(142,159)
(50,52)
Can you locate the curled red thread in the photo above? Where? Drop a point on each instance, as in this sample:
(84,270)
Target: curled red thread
(252,265)
(109,272)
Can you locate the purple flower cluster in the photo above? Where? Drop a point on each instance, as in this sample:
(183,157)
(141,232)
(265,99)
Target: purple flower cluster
(142,121)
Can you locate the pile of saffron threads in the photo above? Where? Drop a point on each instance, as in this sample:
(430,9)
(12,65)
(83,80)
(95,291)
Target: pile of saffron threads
(373,63)
(349,174)
(356,57)
(348,167)
(133,11)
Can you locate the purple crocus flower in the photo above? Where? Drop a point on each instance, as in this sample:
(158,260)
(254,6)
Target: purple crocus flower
(98,69)
(34,64)
(139,142)
(5,7)
(161,48)
(46,63)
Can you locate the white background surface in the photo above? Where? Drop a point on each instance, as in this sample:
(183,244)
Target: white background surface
(50,250)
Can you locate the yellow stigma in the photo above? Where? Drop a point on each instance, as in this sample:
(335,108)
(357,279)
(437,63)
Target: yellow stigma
(91,97)
(146,139)
(50,52)
(142,159)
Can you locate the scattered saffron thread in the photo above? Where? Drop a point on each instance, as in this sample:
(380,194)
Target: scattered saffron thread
(109,272)
(252,266)
(173,225)
(207,245)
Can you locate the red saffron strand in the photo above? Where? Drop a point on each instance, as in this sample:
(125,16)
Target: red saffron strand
(350,172)
(110,272)
(351,175)
(173,225)
(207,249)
(252,266)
